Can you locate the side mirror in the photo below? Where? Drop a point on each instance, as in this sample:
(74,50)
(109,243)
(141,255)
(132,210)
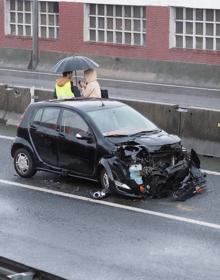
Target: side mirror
(84,136)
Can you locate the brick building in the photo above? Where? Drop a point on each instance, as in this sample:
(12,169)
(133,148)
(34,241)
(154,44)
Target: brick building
(163,30)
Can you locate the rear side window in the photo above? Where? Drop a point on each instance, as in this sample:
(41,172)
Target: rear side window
(50,117)
(37,117)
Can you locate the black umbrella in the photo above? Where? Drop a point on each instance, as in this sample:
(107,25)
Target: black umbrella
(74,63)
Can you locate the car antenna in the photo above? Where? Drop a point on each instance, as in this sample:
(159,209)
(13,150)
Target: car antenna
(102,103)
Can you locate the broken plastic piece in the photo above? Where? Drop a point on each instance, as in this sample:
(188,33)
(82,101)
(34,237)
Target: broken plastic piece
(200,189)
(99,194)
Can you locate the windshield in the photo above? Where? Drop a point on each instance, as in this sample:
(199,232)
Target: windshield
(121,121)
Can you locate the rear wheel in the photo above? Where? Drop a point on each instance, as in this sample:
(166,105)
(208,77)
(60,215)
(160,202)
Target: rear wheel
(24,163)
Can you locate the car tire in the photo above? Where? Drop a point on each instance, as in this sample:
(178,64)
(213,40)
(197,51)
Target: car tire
(104,181)
(24,163)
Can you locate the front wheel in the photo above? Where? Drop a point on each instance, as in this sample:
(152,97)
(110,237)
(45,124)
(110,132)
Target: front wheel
(104,180)
(24,163)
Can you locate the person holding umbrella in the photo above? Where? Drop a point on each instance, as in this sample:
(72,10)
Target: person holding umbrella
(67,66)
(90,87)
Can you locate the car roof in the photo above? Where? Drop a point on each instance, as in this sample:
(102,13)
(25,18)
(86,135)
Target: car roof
(85,104)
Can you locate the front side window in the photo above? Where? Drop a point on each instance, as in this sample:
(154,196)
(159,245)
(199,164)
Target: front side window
(19,18)
(115,24)
(72,123)
(195,28)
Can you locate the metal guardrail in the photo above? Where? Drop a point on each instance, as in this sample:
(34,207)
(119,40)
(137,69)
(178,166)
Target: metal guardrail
(13,270)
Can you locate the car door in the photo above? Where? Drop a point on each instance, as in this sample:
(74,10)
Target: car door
(44,134)
(75,154)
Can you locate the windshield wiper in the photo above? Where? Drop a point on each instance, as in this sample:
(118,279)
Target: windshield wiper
(142,132)
(116,135)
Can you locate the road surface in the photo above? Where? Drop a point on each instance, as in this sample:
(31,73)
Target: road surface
(51,223)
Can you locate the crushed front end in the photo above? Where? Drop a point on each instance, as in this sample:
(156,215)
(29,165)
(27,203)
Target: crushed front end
(156,171)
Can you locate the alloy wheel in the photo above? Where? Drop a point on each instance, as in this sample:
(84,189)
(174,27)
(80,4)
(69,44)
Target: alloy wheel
(22,163)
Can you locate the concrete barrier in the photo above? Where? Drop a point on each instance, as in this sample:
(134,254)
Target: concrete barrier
(14,99)
(203,75)
(199,128)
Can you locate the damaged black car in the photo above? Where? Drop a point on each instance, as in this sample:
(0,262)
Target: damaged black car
(109,142)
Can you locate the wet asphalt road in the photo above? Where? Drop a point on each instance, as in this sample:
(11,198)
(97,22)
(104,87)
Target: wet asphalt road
(162,93)
(81,240)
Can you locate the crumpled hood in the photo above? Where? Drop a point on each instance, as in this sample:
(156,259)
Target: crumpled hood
(62,81)
(152,142)
(90,75)
(158,139)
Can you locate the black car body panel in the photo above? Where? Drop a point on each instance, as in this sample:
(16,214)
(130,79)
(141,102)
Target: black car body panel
(20,143)
(148,162)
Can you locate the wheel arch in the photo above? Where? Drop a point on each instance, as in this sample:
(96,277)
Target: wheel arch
(105,164)
(18,144)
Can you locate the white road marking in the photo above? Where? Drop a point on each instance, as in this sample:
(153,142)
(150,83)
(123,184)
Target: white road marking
(209,172)
(7,137)
(159,84)
(115,205)
(121,81)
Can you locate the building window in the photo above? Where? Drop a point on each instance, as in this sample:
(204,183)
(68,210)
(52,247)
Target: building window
(196,28)
(19,18)
(115,24)
(19,12)
(48,19)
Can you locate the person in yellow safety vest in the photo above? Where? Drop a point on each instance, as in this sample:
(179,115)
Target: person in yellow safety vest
(64,87)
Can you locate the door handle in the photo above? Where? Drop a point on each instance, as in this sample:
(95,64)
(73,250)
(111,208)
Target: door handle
(61,135)
(33,127)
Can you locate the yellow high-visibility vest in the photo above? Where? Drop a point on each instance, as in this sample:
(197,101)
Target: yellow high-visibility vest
(64,92)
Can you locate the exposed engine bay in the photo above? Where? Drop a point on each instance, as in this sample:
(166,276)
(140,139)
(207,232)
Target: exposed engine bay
(156,172)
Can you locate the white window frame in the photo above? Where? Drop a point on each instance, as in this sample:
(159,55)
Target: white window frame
(133,32)
(47,26)
(194,35)
(8,22)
